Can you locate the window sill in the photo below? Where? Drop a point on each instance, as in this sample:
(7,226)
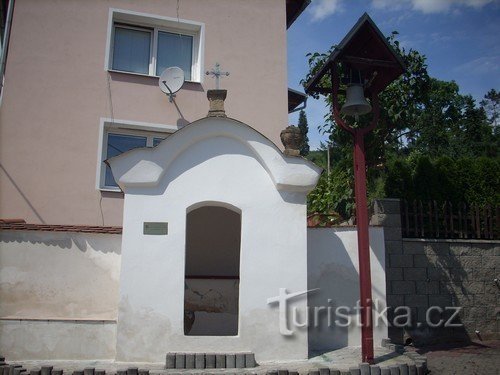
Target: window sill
(110,190)
(143,75)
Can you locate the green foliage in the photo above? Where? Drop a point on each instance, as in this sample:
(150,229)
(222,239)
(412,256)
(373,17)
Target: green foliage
(491,105)
(470,180)
(334,193)
(431,142)
(304,129)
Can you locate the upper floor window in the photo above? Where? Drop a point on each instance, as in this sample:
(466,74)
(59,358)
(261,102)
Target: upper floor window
(147,44)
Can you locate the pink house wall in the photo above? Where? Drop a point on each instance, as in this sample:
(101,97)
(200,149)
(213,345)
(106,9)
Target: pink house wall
(56,92)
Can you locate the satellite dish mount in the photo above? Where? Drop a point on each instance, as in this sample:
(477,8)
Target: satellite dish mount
(171,81)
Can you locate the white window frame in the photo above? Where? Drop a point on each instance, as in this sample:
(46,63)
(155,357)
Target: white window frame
(154,24)
(124,127)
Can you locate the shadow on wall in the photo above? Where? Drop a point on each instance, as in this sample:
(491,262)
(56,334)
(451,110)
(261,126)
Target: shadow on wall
(330,269)
(441,282)
(64,240)
(21,193)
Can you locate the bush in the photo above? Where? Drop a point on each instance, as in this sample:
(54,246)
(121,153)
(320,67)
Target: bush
(469,180)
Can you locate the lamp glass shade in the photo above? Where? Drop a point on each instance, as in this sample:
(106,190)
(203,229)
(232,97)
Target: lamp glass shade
(355,103)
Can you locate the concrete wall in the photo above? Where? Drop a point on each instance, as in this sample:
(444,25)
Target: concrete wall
(70,282)
(332,263)
(58,294)
(49,120)
(433,272)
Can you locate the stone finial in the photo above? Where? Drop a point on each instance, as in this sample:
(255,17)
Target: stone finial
(292,139)
(216,99)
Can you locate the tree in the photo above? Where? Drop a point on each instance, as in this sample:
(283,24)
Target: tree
(419,116)
(304,128)
(491,105)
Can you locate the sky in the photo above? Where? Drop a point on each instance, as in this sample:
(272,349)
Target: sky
(460,38)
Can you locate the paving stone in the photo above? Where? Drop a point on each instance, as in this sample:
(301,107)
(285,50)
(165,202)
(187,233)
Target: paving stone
(283,372)
(272,372)
(364,368)
(240,360)
(374,370)
(220,361)
(385,371)
(250,360)
(55,372)
(230,360)
(103,372)
(91,370)
(190,360)
(210,360)
(354,371)
(313,372)
(199,360)
(403,369)
(130,371)
(412,370)
(170,361)
(180,361)
(394,370)
(45,370)
(324,371)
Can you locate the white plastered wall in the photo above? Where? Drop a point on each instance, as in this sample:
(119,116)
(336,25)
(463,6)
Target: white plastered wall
(333,268)
(58,295)
(273,234)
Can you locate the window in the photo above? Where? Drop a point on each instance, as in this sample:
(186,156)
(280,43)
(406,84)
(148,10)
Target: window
(147,44)
(118,137)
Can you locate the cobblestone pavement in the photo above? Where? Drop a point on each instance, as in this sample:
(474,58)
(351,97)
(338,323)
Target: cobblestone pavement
(477,358)
(341,359)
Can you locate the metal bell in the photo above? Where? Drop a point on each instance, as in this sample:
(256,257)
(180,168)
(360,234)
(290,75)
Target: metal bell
(355,103)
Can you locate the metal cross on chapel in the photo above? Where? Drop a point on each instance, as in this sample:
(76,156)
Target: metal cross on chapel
(217,73)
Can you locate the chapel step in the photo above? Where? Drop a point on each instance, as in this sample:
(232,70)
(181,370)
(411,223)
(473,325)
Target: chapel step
(210,360)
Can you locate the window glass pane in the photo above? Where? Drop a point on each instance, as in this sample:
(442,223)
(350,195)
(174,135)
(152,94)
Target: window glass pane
(131,50)
(156,141)
(118,144)
(174,50)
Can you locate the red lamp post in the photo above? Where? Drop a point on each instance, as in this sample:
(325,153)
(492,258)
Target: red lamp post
(372,64)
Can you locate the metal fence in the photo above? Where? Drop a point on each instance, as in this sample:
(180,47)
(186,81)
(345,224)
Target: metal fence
(431,219)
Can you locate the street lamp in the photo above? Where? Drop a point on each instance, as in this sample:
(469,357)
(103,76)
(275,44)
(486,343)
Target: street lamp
(366,63)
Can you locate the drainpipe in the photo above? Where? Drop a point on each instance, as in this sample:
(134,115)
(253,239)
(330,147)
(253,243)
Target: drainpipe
(5,45)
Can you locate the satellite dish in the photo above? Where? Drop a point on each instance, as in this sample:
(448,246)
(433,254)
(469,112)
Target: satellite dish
(171,81)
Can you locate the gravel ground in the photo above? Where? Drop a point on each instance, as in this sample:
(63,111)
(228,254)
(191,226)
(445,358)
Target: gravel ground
(476,358)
